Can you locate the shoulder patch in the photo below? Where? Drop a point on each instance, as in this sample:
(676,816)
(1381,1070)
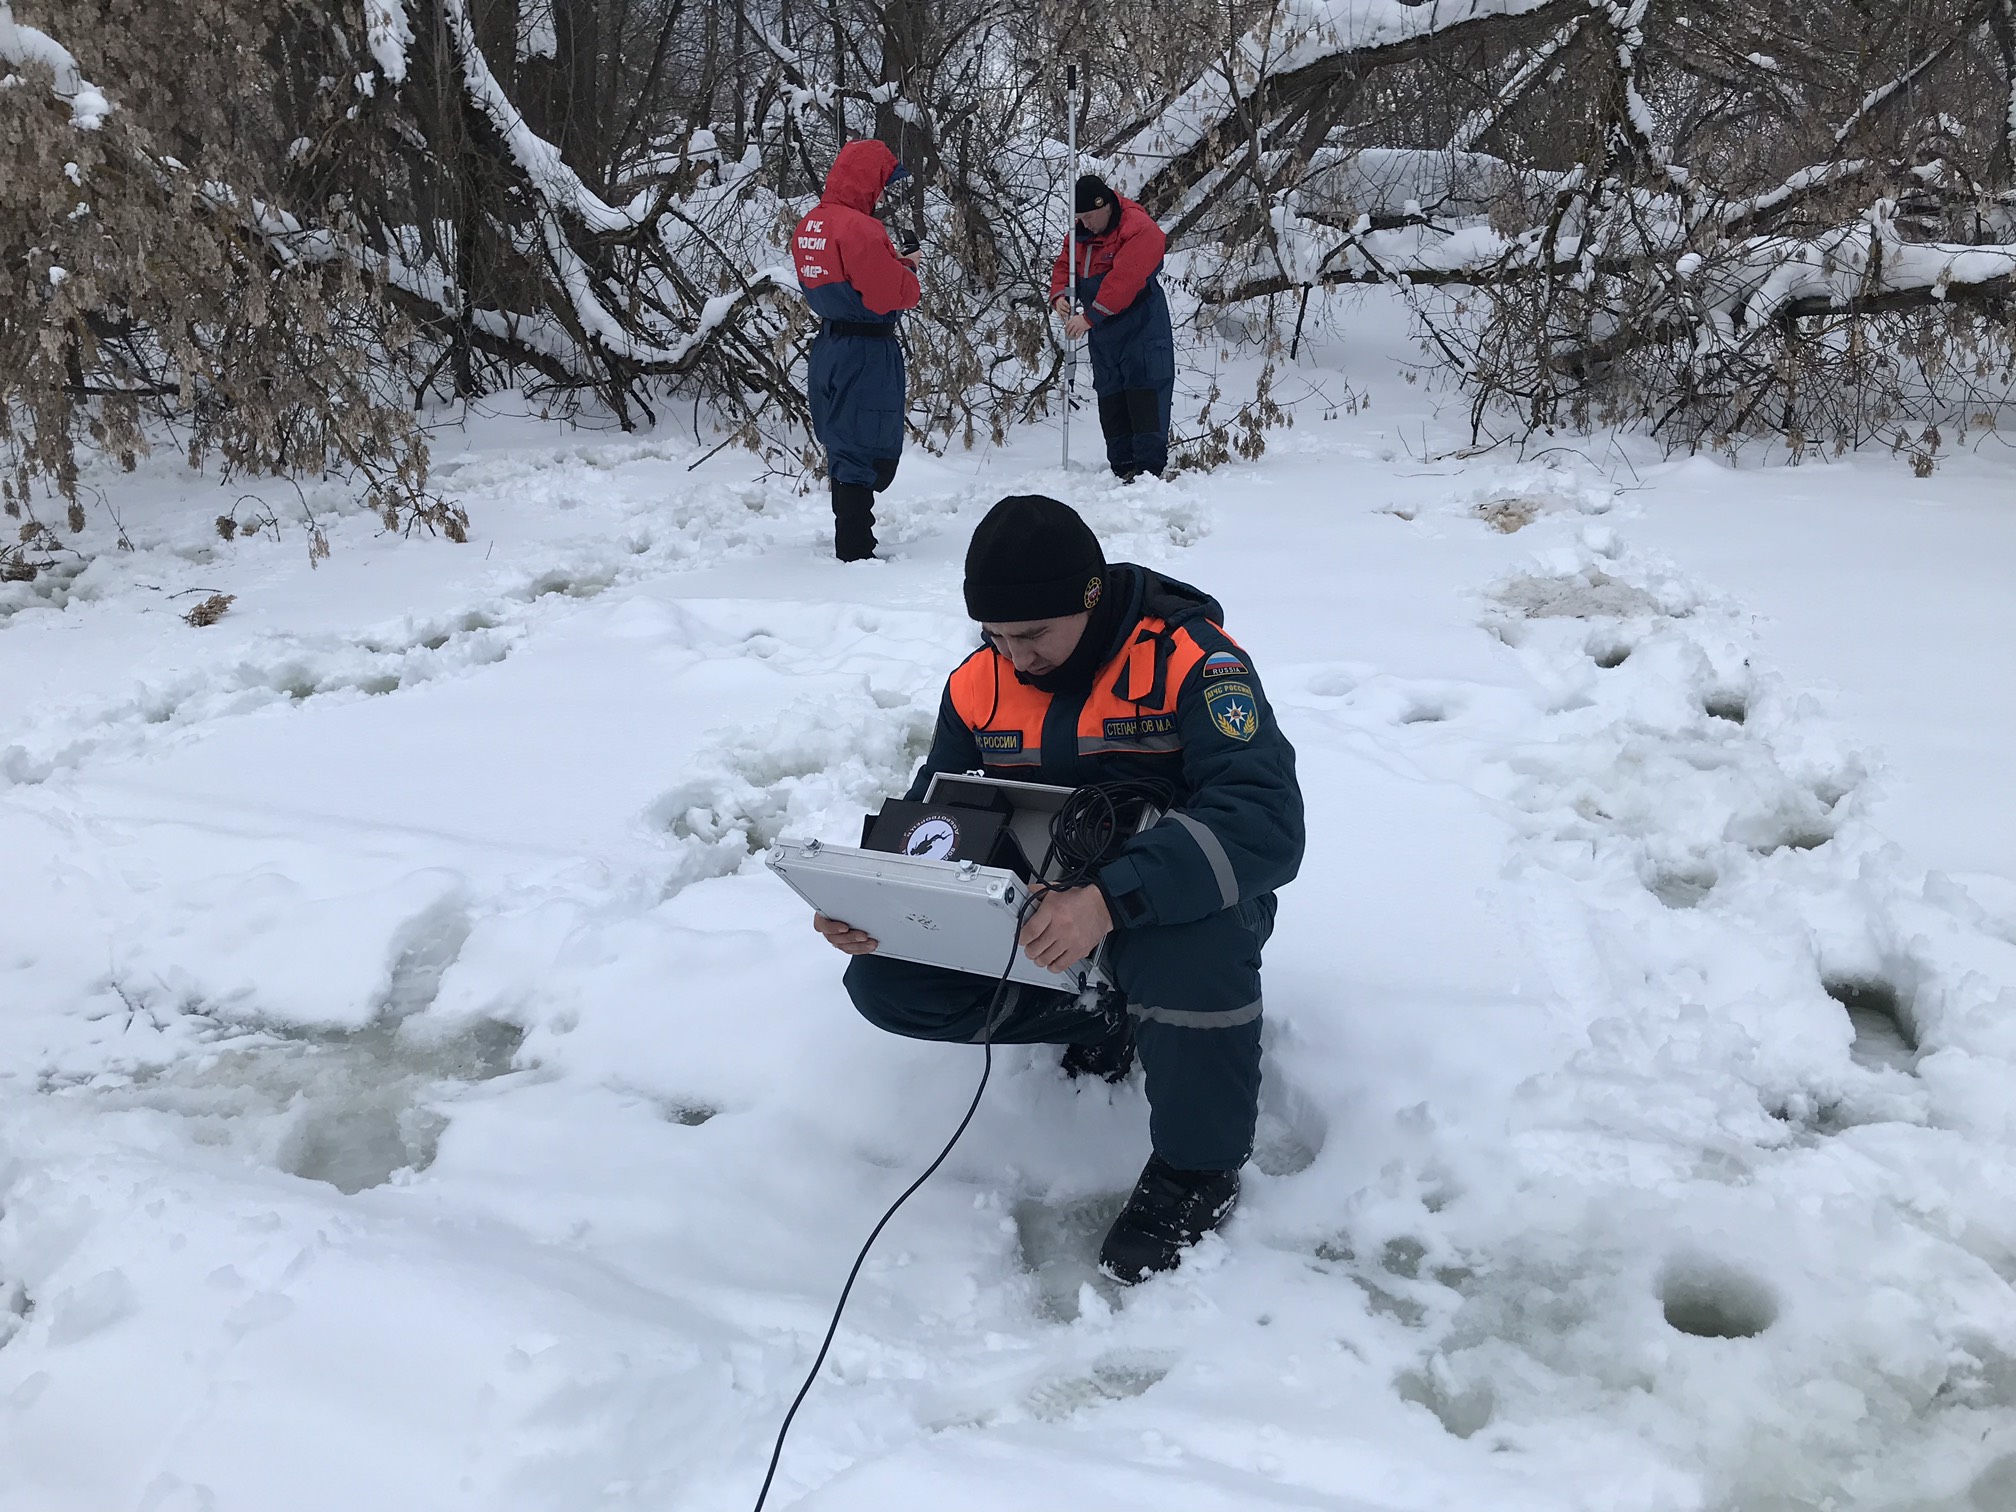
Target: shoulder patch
(1224,664)
(998,742)
(1233,708)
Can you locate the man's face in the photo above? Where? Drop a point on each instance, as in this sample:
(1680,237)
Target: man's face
(1095,222)
(1037,646)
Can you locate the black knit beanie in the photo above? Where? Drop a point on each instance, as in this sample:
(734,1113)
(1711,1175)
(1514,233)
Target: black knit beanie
(1032,558)
(1092,192)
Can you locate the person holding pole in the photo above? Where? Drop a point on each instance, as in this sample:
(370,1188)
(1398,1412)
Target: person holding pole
(858,283)
(1104,286)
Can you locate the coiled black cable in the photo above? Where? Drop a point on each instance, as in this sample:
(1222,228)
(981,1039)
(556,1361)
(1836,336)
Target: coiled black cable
(1096,820)
(1084,832)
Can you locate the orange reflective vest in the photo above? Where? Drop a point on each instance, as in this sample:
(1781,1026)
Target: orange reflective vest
(1130,710)
(1176,701)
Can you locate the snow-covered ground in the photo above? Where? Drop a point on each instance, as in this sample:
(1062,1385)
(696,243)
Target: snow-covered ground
(415,1094)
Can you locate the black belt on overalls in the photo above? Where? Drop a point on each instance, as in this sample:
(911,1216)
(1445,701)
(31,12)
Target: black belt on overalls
(883,328)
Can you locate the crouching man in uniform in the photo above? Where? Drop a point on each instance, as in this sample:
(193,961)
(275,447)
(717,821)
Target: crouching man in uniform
(1093,672)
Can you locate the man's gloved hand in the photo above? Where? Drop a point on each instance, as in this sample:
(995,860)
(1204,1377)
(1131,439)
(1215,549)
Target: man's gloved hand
(1065,927)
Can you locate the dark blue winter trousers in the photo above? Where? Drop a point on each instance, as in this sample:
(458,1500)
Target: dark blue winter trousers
(1192,991)
(855,387)
(1134,374)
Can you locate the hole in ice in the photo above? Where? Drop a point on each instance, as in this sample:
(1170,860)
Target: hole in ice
(1711,1300)
(1333,685)
(15,1306)
(1729,706)
(359,1115)
(1402,1258)
(1798,838)
(1884,1033)
(1059,1245)
(692,1115)
(1424,713)
(1382,1303)
(1463,1411)
(347,1107)
(358,1144)
(1682,886)
(586,586)
(1608,651)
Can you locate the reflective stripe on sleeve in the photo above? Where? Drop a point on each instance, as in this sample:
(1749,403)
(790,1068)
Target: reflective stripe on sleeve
(1214,852)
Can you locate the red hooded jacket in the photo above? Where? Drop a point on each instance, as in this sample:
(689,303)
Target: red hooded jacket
(1123,258)
(846,263)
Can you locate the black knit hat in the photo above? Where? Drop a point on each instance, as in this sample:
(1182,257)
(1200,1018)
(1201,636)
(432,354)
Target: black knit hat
(1092,192)
(1032,558)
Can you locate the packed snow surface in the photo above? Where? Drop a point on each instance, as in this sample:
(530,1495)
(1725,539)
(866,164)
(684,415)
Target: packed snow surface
(415,1093)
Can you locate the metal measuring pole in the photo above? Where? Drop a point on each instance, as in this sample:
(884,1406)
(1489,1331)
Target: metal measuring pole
(1070,251)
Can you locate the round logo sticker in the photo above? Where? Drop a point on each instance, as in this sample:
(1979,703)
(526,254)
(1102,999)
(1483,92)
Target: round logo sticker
(1092,593)
(931,838)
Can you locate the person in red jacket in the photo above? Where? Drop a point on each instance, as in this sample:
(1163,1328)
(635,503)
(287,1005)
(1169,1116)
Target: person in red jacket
(1116,298)
(858,283)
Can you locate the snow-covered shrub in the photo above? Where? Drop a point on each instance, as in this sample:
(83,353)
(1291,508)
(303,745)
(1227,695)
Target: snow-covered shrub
(165,253)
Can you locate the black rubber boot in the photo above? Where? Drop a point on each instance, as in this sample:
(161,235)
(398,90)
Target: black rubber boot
(853,521)
(1151,440)
(1169,1211)
(1117,426)
(1110,1059)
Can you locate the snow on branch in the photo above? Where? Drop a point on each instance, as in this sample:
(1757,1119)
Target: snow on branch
(1877,99)
(1855,270)
(1741,215)
(1852,269)
(1627,25)
(24,45)
(551,178)
(1473,126)
(389,35)
(1302,44)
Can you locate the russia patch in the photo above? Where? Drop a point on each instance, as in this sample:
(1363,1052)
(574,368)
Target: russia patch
(998,742)
(1233,709)
(1223,664)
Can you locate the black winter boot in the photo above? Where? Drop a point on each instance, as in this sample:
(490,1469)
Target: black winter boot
(853,521)
(1110,1059)
(1169,1211)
